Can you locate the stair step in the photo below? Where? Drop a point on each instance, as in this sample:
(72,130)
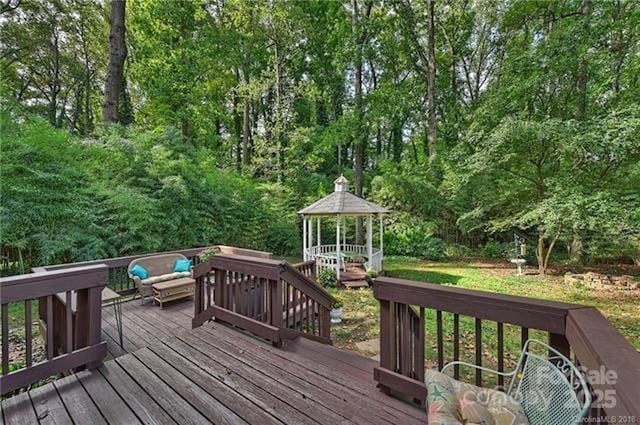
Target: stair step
(351,284)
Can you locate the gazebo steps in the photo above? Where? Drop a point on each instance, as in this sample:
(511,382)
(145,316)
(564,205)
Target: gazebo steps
(354,284)
(352,274)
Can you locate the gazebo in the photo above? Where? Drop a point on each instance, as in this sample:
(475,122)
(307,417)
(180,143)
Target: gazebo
(339,205)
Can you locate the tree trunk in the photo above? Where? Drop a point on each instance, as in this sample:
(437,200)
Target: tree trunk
(117,55)
(583,76)
(246,128)
(237,129)
(431,79)
(88,114)
(540,252)
(358,148)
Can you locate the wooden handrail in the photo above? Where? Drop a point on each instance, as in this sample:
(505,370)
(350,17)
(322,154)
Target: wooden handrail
(571,328)
(36,285)
(118,277)
(306,285)
(522,311)
(260,294)
(600,347)
(87,350)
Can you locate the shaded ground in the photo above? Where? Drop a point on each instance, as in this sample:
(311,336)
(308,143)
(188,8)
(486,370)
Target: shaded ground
(361,309)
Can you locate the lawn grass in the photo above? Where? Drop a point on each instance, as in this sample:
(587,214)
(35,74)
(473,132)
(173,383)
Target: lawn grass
(362,310)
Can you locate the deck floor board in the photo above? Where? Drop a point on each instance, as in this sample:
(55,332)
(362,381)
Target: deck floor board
(77,401)
(168,373)
(49,407)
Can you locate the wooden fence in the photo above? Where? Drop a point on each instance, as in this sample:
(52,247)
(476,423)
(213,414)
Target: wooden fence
(579,332)
(271,299)
(87,349)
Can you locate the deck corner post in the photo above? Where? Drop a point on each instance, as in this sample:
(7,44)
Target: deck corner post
(275,307)
(89,319)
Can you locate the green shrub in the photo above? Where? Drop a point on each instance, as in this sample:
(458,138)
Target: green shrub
(493,249)
(456,251)
(327,278)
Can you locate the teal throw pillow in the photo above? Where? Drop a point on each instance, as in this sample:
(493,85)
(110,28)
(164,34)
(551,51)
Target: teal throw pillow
(182,266)
(140,271)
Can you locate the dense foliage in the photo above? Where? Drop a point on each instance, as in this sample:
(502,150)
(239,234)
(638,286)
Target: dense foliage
(234,114)
(72,199)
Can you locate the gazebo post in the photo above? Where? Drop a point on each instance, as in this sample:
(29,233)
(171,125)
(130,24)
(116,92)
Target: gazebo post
(381,236)
(370,238)
(310,236)
(305,257)
(318,225)
(344,234)
(338,246)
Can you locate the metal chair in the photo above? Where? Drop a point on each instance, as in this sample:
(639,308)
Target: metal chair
(550,389)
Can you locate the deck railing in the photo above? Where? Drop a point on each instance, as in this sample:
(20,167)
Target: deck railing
(578,331)
(118,277)
(82,347)
(268,298)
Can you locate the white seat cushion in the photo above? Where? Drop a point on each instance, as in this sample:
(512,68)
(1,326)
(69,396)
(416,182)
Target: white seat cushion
(164,277)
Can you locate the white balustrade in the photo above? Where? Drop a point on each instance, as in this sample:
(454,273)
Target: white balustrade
(326,258)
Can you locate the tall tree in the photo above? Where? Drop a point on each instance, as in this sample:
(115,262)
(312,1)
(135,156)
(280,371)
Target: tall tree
(431,79)
(117,56)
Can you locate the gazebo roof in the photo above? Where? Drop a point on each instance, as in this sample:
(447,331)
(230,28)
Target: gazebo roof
(342,202)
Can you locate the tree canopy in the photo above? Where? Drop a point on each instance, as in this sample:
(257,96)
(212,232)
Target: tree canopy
(471,119)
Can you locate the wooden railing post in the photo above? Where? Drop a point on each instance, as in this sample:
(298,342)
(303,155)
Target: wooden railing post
(89,320)
(275,305)
(386,340)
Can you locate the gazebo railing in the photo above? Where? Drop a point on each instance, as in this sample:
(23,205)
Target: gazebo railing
(375,262)
(326,258)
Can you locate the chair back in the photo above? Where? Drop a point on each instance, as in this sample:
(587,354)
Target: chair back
(549,387)
(157,264)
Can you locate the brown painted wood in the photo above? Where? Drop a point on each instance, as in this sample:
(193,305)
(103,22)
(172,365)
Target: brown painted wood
(439,332)
(214,387)
(456,345)
(36,285)
(597,343)
(146,408)
(179,409)
(77,402)
(5,339)
(50,328)
(23,377)
(263,330)
(253,389)
(68,324)
(48,406)
(333,364)
(478,347)
(419,341)
(336,407)
(400,383)
(297,379)
(203,402)
(28,334)
(342,371)
(19,410)
(109,403)
(524,336)
(500,342)
(522,311)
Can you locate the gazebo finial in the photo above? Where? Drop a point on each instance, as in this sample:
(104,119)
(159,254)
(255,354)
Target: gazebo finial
(341,184)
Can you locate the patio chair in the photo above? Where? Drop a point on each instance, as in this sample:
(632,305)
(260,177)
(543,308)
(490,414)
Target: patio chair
(550,389)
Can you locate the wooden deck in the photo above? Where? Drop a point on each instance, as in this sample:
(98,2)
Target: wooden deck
(169,373)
